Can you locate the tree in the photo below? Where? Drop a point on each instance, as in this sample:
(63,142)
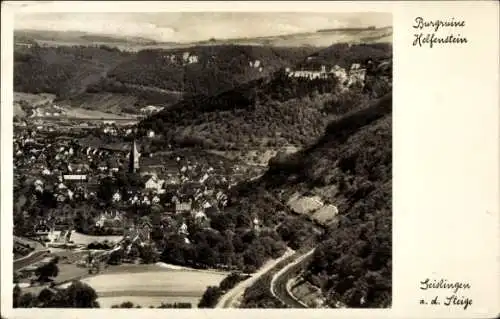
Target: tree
(27,300)
(45,298)
(210,297)
(45,272)
(126,304)
(80,295)
(147,254)
(106,189)
(16,296)
(115,258)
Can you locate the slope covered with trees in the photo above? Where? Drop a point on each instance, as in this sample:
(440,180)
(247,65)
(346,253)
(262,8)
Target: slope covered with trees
(345,54)
(63,71)
(218,68)
(351,168)
(274,111)
(76,73)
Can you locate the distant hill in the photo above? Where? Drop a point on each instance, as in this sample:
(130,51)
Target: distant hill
(271,111)
(315,39)
(322,38)
(83,71)
(64,71)
(75,73)
(218,68)
(78,38)
(345,54)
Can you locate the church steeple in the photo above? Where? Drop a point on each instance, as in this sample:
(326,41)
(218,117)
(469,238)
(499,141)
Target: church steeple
(134,158)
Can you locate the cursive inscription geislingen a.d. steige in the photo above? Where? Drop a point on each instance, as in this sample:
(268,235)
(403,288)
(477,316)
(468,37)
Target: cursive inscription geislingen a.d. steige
(453,299)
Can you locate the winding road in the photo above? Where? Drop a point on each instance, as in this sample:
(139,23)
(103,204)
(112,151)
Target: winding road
(281,278)
(32,258)
(38,254)
(232,298)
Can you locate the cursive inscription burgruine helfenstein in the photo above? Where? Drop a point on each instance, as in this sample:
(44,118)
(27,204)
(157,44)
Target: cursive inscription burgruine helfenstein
(437,32)
(453,298)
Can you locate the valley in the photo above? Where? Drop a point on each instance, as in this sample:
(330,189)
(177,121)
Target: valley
(150,176)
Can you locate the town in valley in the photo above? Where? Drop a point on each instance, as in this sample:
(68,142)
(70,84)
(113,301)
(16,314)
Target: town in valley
(247,172)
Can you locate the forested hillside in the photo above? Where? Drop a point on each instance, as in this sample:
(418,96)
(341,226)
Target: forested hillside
(344,54)
(283,111)
(271,112)
(351,168)
(217,68)
(64,71)
(160,77)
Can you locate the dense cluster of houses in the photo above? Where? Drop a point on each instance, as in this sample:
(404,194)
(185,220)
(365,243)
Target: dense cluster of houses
(72,173)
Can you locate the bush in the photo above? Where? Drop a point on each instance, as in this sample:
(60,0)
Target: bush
(231,280)
(210,297)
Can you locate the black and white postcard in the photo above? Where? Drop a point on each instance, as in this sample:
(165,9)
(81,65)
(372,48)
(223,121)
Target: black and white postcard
(330,157)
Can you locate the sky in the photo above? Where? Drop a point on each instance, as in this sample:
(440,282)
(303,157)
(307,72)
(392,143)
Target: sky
(192,26)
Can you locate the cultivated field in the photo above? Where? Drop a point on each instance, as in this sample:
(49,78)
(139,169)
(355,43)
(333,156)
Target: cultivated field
(151,288)
(77,112)
(34,99)
(83,239)
(145,302)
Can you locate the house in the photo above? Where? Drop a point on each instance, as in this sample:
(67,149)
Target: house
(182,207)
(256,223)
(79,178)
(206,205)
(150,109)
(134,200)
(339,73)
(113,220)
(156,200)
(183,229)
(146,201)
(114,164)
(356,75)
(116,197)
(204,178)
(154,184)
(193,59)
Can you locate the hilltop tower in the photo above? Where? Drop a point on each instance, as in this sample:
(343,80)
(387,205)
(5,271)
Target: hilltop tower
(133,165)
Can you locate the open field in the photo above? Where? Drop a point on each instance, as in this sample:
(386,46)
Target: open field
(34,99)
(31,99)
(145,302)
(78,112)
(83,239)
(102,106)
(152,286)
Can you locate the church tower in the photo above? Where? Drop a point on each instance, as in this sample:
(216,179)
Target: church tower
(134,158)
